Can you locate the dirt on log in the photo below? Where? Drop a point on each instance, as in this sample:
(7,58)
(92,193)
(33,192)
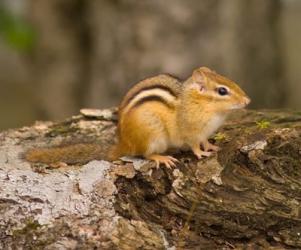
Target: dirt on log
(247,196)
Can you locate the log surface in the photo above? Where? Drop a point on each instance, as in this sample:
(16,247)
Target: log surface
(247,196)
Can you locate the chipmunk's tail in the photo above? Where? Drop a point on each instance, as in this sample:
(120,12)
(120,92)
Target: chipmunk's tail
(72,154)
(116,151)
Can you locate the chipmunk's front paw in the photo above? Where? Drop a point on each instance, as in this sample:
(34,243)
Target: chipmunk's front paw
(210,147)
(200,153)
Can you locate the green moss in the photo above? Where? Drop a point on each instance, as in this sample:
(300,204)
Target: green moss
(30,226)
(33,236)
(220,136)
(61,129)
(263,124)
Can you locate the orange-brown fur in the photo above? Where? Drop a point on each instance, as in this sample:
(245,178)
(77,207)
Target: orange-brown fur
(192,114)
(134,133)
(163,79)
(71,154)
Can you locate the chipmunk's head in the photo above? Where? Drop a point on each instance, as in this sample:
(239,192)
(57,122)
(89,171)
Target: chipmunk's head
(216,91)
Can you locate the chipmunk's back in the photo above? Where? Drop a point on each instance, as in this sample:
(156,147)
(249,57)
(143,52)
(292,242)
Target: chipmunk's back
(163,88)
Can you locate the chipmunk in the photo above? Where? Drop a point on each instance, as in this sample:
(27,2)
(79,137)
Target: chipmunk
(160,113)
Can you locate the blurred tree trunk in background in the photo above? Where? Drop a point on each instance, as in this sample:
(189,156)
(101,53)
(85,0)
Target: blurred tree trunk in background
(59,58)
(252,54)
(96,49)
(291,44)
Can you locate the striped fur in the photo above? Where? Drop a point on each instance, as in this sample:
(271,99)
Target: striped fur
(155,86)
(152,98)
(159,89)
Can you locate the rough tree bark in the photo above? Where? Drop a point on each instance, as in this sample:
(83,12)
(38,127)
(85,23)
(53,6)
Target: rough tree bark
(245,197)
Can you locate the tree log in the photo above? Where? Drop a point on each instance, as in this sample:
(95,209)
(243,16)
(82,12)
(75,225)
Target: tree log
(247,196)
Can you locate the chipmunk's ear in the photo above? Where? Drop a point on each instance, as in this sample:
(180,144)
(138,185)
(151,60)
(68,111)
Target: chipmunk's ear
(199,80)
(199,75)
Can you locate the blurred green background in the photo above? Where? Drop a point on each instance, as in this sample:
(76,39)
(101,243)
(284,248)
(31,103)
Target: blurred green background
(62,55)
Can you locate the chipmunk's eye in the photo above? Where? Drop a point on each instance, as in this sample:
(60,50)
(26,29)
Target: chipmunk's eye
(222,91)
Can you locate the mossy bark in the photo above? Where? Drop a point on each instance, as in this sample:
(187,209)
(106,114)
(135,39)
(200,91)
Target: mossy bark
(247,196)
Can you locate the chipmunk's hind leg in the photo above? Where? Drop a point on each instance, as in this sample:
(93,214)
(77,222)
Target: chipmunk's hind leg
(140,136)
(167,160)
(146,133)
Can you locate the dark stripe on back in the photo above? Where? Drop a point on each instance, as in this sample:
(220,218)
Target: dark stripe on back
(152,98)
(156,86)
